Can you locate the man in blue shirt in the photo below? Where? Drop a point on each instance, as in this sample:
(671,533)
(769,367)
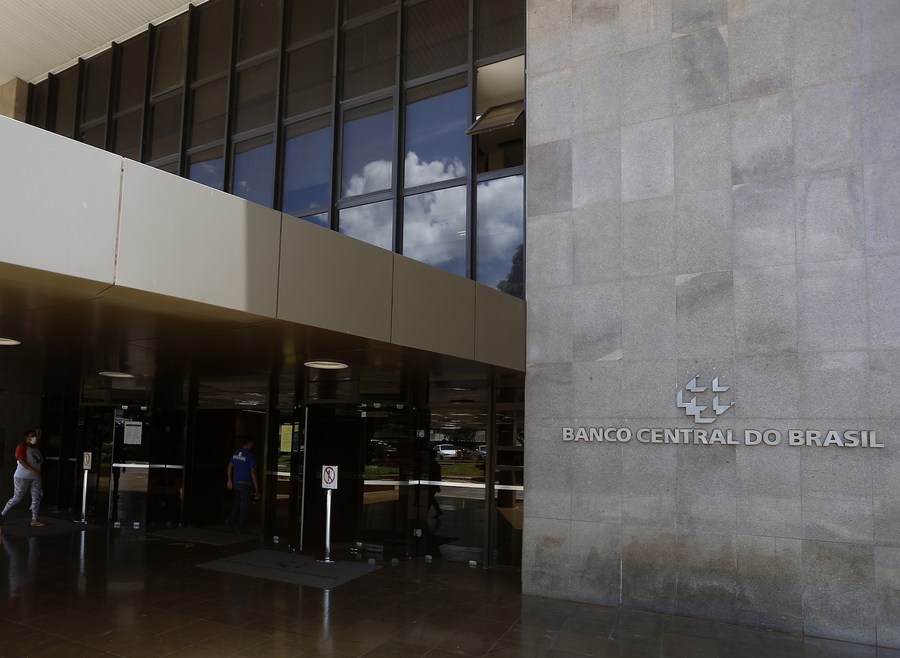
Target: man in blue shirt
(242,480)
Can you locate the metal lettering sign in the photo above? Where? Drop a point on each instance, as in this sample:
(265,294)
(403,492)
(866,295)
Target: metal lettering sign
(329,477)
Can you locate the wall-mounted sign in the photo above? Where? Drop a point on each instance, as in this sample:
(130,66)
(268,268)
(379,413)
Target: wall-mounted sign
(329,477)
(133,432)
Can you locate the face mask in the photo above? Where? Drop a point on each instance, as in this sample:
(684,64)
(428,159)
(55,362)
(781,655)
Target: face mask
(32,440)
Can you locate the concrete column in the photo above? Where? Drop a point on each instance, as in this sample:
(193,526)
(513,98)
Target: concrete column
(14,99)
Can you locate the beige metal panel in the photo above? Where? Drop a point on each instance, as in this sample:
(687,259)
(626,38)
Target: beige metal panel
(14,99)
(59,203)
(433,309)
(37,36)
(499,328)
(186,240)
(333,281)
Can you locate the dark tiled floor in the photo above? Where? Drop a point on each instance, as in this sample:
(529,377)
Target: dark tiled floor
(117,593)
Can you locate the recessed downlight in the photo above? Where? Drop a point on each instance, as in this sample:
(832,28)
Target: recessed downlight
(115,374)
(9,341)
(326,364)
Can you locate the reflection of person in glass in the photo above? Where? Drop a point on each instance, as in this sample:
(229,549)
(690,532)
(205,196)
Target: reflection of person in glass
(434,475)
(241,479)
(27,477)
(21,573)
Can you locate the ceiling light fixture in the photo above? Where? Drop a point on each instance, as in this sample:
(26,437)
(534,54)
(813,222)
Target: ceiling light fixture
(9,341)
(115,374)
(326,364)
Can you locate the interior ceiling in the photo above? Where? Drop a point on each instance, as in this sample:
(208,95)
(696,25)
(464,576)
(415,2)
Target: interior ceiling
(39,36)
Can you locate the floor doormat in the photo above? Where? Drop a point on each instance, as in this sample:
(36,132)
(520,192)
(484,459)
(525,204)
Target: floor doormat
(200,536)
(291,568)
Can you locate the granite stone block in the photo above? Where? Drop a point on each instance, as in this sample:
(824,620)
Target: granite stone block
(549,317)
(597,314)
(881,25)
(598,389)
(760,53)
(648,324)
(596,169)
(596,29)
(700,70)
(648,389)
(884,301)
(549,182)
(881,127)
(648,237)
(838,580)
(648,168)
(596,564)
(764,231)
(704,231)
(887,597)
(705,512)
(702,150)
(548,26)
(695,15)
(649,574)
(645,22)
(704,314)
(834,384)
(768,386)
(598,243)
(551,391)
(707,576)
(550,250)
(595,98)
(765,310)
(830,219)
(646,86)
(837,494)
(826,518)
(769,590)
(545,546)
(762,138)
(882,200)
(832,305)
(707,470)
(827,40)
(884,394)
(550,108)
(827,127)
(741,10)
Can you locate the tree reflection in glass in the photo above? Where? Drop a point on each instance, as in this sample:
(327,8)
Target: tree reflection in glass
(501,211)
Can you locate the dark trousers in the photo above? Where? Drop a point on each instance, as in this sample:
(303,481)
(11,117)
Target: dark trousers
(241,505)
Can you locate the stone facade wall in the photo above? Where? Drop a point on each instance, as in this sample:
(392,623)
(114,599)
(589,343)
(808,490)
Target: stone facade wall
(714,189)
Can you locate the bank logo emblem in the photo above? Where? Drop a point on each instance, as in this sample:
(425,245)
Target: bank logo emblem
(691,408)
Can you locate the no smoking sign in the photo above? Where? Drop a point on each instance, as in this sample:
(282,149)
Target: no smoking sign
(329,477)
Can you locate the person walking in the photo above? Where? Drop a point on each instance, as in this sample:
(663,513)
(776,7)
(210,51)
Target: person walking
(242,480)
(27,478)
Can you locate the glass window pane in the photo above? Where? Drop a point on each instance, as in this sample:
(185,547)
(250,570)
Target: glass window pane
(368,143)
(165,127)
(66,90)
(370,53)
(260,28)
(95,92)
(359,7)
(320,219)
(95,136)
(133,72)
(170,167)
(499,27)
(208,167)
(307,166)
(500,235)
(372,223)
(208,112)
(127,135)
(309,79)
(436,144)
(213,38)
(310,18)
(437,36)
(171,46)
(434,228)
(39,98)
(254,166)
(256,91)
